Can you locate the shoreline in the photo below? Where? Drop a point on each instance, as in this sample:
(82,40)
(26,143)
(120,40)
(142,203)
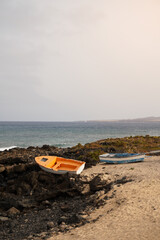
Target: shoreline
(70,206)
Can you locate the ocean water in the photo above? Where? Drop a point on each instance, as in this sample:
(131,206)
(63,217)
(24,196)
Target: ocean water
(67,134)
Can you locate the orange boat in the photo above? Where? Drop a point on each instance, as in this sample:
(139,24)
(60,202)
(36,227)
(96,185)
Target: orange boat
(59,165)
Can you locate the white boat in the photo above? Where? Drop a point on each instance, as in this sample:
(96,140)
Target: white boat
(121,157)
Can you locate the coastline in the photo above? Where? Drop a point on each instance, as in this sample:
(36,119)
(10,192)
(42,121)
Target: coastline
(68,134)
(37,205)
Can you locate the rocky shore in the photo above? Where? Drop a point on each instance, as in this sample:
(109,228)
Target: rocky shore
(35,204)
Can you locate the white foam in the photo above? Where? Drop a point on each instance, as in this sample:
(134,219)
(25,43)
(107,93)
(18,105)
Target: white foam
(7,148)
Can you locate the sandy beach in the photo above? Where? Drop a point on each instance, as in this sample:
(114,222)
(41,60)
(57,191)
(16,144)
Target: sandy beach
(134,212)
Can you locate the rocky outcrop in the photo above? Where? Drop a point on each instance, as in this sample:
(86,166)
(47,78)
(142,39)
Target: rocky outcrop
(30,197)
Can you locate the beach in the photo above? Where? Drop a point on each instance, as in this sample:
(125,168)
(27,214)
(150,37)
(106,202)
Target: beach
(133,213)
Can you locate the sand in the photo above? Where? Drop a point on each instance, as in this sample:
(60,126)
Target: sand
(134,212)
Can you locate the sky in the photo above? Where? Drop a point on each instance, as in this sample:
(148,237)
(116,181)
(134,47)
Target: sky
(79,60)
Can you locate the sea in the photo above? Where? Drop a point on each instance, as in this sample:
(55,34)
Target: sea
(68,134)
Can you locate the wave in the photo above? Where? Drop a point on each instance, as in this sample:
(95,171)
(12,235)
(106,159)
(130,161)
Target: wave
(7,148)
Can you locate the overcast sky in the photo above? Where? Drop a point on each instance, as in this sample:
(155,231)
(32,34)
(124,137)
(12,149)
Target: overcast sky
(72,60)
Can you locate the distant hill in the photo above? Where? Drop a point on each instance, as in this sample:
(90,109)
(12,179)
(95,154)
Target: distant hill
(147,119)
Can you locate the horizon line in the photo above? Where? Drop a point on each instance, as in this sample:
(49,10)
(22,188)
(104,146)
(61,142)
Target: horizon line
(106,120)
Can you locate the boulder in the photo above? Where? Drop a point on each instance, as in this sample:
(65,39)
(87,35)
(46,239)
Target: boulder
(100,181)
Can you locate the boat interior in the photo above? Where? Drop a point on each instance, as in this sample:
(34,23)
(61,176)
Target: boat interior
(58,163)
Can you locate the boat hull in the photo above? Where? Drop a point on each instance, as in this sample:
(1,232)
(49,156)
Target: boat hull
(63,171)
(111,158)
(59,165)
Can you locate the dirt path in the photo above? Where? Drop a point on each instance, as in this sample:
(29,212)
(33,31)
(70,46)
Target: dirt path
(134,212)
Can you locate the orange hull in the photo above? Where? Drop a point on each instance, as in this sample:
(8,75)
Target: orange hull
(59,165)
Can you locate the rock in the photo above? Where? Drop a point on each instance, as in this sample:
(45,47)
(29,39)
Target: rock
(75,218)
(27,203)
(99,197)
(2,168)
(46,178)
(63,219)
(30,237)
(64,207)
(4,219)
(10,182)
(19,168)
(13,211)
(100,194)
(25,188)
(46,147)
(46,203)
(46,196)
(5,204)
(9,169)
(85,189)
(32,166)
(87,178)
(100,181)
(42,235)
(85,216)
(50,225)
(33,178)
(63,226)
